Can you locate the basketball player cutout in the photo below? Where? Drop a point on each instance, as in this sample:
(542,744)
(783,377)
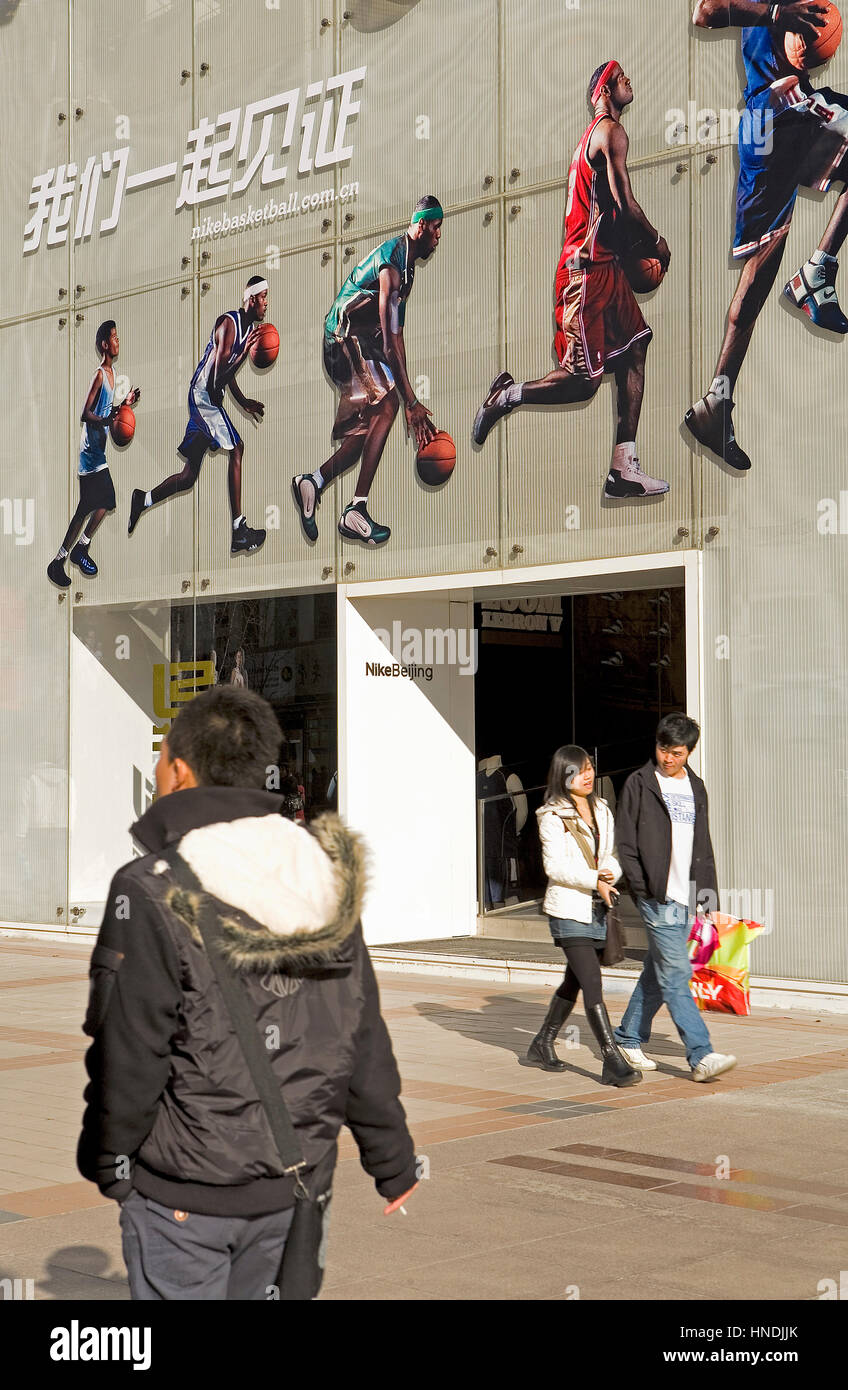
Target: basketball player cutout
(209,426)
(790,135)
(600,327)
(365,357)
(97,491)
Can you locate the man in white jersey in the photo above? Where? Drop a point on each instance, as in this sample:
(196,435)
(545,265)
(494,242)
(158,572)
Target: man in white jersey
(97,491)
(663,844)
(209,425)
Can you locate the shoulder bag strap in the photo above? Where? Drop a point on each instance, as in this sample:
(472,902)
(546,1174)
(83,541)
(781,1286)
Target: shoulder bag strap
(244,1022)
(584,848)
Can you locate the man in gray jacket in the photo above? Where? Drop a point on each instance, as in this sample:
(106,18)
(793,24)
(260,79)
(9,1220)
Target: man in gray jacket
(663,845)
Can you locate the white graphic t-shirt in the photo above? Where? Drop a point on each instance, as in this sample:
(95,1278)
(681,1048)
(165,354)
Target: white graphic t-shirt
(680,803)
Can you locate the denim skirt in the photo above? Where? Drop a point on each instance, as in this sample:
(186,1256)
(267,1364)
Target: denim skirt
(566,929)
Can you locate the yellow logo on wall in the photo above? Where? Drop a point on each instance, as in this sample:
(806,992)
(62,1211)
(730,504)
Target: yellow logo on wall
(174,684)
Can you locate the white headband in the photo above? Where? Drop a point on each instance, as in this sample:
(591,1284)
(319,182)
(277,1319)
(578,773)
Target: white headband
(250,291)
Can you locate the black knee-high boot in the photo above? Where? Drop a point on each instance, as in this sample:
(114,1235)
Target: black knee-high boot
(541,1050)
(617,1070)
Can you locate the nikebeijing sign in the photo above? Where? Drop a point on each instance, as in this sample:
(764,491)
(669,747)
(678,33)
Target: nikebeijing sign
(223,157)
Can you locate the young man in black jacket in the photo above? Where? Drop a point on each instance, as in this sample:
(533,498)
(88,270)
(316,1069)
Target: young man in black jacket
(663,844)
(174,1129)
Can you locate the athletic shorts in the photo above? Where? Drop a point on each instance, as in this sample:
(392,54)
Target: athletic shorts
(97,490)
(208,425)
(796,150)
(597,318)
(358,367)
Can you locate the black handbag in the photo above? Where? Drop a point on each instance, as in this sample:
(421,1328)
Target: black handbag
(302,1267)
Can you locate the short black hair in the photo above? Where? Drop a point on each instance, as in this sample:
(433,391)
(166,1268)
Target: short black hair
(228,736)
(428,201)
(676,729)
(592,83)
(103,333)
(254,280)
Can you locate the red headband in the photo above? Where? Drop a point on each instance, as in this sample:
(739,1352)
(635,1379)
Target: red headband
(610,67)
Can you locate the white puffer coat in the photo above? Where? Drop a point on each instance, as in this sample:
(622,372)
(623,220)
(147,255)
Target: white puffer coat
(570,880)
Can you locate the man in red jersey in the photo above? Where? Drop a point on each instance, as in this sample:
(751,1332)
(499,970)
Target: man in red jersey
(600,327)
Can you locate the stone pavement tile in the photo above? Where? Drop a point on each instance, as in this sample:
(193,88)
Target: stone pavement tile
(54,1199)
(50,1145)
(43,1167)
(11,1182)
(372,1291)
(10,1050)
(86,1241)
(746,1275)
(69,1286)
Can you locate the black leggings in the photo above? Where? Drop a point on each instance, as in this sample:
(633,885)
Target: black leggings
(583,971)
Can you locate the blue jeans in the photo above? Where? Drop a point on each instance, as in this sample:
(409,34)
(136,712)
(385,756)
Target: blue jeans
(665,979)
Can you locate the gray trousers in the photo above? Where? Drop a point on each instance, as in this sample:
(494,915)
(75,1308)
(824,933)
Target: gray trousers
(178,1255)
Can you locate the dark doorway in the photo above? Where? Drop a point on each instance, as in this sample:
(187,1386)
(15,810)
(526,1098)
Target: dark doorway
(594,669)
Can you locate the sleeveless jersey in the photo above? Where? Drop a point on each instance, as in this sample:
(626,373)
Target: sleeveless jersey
(589,212)
(203,370)
(93,437)
(764,64)
(362,286)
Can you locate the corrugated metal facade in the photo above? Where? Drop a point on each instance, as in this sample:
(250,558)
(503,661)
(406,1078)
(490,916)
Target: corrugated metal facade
(481,103)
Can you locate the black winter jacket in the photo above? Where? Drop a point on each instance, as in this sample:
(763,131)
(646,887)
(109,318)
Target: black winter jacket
(643,837)
(171,1109)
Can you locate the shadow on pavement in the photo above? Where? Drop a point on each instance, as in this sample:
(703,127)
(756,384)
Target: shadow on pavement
(511,1023)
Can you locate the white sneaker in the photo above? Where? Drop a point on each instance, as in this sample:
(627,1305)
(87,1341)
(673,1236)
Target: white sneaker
(712,1066)
(630,481)
(637,1058)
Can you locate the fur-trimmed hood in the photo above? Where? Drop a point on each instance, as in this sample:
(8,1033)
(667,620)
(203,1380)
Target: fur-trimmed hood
(294,894)
(298,895)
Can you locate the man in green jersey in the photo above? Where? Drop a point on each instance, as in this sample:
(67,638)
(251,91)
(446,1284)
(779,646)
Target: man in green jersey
(365,357)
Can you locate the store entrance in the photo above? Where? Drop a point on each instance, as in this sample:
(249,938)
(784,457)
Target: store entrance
(596,669)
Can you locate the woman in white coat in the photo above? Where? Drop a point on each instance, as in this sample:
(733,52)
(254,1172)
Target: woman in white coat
(577,832)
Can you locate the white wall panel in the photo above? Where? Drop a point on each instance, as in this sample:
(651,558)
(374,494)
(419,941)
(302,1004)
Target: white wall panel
(558,456)
(412,797)
(34,501)
(155,331)
(452,328)
(36,117)
(293,437)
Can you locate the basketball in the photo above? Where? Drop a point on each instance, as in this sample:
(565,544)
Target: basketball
(811,53)
(123,425)
(435,462)
(644,273)
(265,346)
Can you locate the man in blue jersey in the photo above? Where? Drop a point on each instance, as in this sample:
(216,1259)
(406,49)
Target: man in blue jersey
(209,425)
(365,357)
(790,135)
(97,491)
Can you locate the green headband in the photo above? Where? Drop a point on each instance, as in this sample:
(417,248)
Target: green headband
(427,215)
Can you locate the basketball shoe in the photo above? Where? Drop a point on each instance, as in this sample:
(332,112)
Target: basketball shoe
(812,289)
(56,574)
(246,539)
(356,525)
(307,508)
(494,407)
(708,421)
(80,557)
(628,480)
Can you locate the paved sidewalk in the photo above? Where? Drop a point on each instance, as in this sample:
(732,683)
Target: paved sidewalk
(541,1186)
